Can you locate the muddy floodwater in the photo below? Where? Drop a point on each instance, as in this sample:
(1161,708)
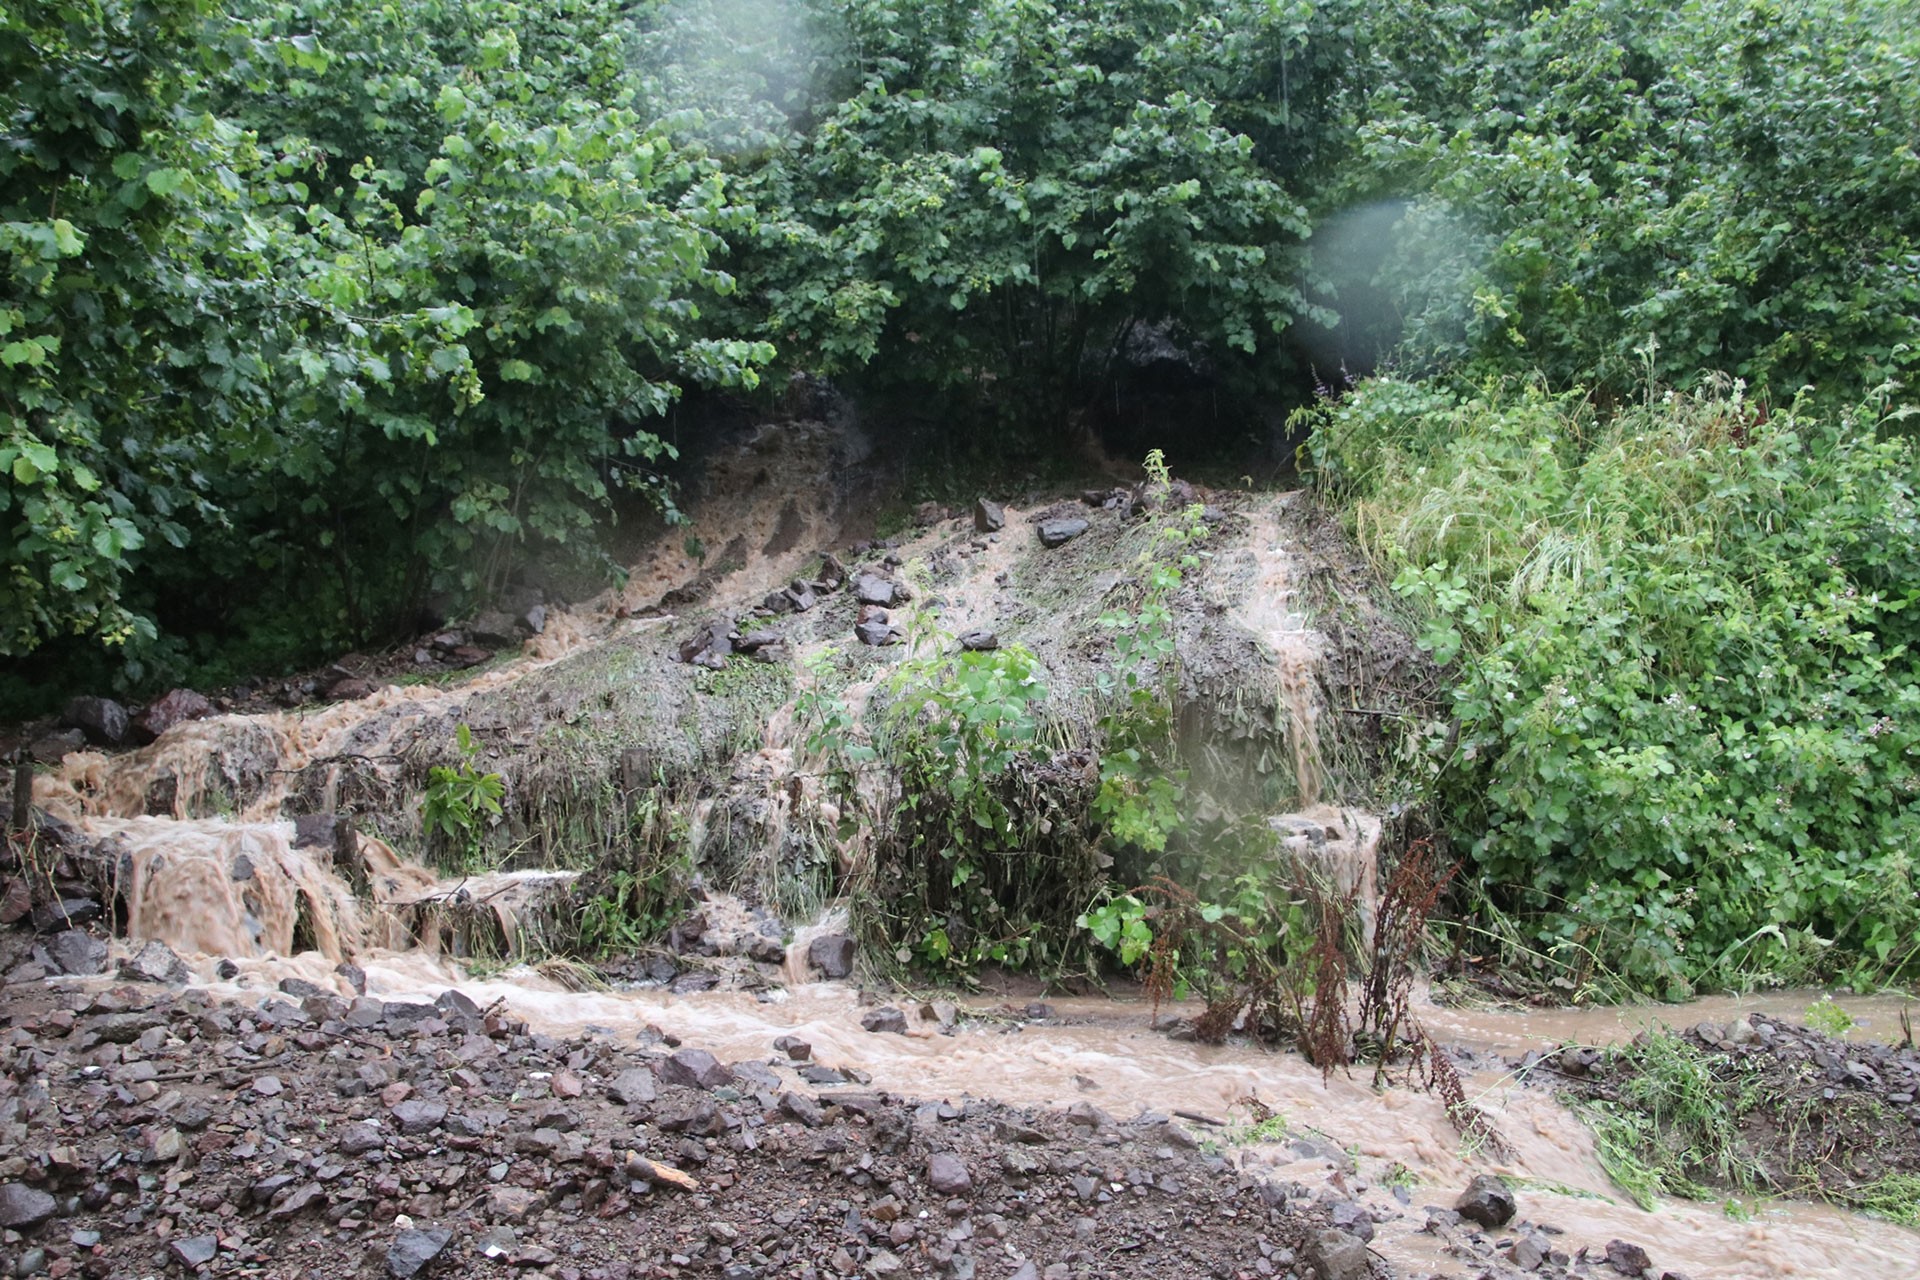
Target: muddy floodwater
(1106,1052)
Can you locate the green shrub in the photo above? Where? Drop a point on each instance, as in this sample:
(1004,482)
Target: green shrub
(1685,673)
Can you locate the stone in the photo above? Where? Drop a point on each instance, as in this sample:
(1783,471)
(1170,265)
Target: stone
(989,517)
(314,830)
(16,902)
(413,1249)
(418,1115)
(1335,1255)
(403,1013)
(1487,1200)
(565,1084)
(268,1086)
(948,1175)
(348,689)
(102,720)
(512,1204)
(358,1139)
(710,646)
(155,962)
(194,1251)
(871,588)
(163,713)
(878,634)
(65,913)
(1352,1218)
(496,628)
(832,955)
(1526,1254)
(1056,533)
(365,1011)
(633,1087)
(695,1068)
(22,1208)
(301,989)
(885,1020)
(766,950)
(795,1048)
(77,952)
(979,640)
(52,748)
(455,1001)
(1628,1258)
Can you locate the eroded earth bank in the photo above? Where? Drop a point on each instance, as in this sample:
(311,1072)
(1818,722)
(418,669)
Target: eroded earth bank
(253,1025)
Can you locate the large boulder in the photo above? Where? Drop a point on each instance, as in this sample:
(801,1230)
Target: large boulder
(1487,1201)
(989,517)
(176,707)
(832,955)
(1055,533)
(102,720)
(77,952)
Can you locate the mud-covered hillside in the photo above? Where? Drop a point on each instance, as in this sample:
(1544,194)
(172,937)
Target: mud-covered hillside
(729,720)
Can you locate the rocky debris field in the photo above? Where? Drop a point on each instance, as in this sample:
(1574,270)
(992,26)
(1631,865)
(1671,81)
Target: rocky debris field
(153,1131)
(150,1130)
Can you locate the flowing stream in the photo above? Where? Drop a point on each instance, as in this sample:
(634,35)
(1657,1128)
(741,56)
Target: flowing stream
(238,895)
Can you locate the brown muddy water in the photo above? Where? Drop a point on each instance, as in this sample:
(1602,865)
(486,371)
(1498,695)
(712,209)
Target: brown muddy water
(290,915)
(1106,1052)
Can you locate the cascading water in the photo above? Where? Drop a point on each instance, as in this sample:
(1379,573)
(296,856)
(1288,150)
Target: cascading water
(204,859)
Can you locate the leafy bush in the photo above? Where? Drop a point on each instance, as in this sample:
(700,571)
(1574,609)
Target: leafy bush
(458,804)
(1686,675)
(1730,175)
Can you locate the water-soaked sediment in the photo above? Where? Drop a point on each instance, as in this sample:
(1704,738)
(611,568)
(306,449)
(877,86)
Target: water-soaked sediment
(196,837)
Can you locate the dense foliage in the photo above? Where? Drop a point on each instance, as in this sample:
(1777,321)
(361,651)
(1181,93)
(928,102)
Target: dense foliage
(1686,650)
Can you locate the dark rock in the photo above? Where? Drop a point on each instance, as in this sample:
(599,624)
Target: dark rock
(155,962)
(766,951)
(314,830)
(466,655)
(66,913)
(193,1251)
(1054,533)
(102,720)
(457,1002)
(885,1020)
(403,1013)
(1630,1258)
(23,1208)
(365,1011)
(871,588)
(301,989)
(795,1048)
(832,954)
(356,976)
(710,646)
(358,1139)
(77,953)
(348,689)
(417,1116)
(414,1249)
(1352,1218)
(989,517)
(948,1175)
(878,634)
(176,707)
(52,748)
(1335,1255)
(1487,1201)
(534,620)
(496,628)
(695,1068)
(16,902)
(979,640)
(633,1086)
(754,641)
